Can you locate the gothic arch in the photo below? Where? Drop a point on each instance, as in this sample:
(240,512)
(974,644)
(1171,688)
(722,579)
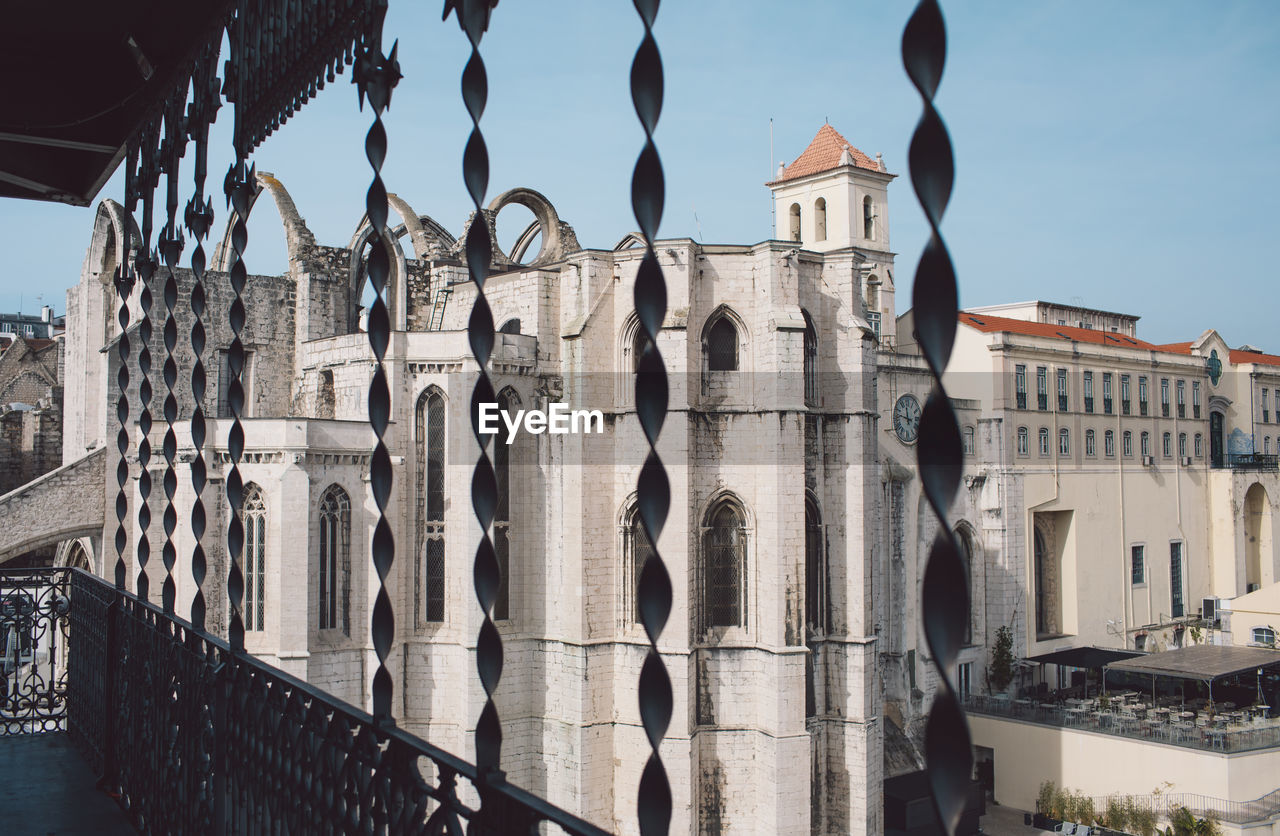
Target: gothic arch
(546,221)
(726,313)
(104,254)
(296,233)
(629,242)
(76,554)
(723,573)
(429,238)
(358,275)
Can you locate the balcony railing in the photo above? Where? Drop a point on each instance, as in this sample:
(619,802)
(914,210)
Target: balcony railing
(194,737)
(1252,736)
(1253,461)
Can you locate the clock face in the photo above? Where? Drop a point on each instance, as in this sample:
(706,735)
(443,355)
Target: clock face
(906,418)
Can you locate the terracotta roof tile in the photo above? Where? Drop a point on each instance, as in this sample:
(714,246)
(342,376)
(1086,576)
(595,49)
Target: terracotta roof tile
(1176,348)
(1237,356)
(1001,324)
(823,154)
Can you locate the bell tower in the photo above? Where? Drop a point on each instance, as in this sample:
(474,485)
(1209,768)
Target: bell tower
(834,197)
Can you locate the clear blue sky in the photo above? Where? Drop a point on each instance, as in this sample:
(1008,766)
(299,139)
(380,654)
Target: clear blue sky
(1122,155)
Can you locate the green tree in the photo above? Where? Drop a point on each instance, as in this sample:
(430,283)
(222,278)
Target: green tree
(1002,659)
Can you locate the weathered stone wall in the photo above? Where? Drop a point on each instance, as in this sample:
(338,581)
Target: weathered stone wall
(74,490)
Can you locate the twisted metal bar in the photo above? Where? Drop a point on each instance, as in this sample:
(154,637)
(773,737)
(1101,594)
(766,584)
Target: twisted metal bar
(375,76)
(653,494)
(124,287)
(944,602)
(239,187)
(473,18)
(199,219)
(171,249)
(146,269)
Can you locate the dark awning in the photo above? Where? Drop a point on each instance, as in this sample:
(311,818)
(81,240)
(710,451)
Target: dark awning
(1202,661)
(79,76)
(1084,657)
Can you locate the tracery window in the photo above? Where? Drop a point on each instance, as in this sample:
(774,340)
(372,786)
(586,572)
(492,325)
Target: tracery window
(721,346)
(638,551)
(335,560)
(253,512)
(815,571)
(429,434)
(810,362)
(724,550)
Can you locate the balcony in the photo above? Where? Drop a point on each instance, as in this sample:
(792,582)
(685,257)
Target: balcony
(1253,461)
(191,736)
(1084,715)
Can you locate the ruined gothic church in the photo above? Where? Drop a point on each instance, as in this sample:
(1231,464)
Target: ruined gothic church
(793,621)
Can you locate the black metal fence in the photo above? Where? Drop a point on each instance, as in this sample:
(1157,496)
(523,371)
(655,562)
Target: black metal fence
(33,644)
(196,738)
(1253,461)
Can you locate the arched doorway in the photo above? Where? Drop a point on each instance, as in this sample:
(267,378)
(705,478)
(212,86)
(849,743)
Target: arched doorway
(1257,537)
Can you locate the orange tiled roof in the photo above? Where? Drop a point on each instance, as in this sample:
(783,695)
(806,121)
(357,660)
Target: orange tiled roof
(1176,348)
(1002,324)
(1238,356)
(823,154)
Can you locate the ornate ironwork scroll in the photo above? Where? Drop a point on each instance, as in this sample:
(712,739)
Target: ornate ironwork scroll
(376,75)
(944,595)
(473,17)
(33,650)
(653,494)
(199,219)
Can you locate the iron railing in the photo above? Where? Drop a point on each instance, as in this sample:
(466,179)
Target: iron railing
(193,737)
(1244,738)
(1253,461)
(33,641)
(1202,806)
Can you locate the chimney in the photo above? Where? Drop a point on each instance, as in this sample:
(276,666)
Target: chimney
(46,314)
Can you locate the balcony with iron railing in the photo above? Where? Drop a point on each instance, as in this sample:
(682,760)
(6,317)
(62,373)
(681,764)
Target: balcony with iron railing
(1251,461)
(193,736)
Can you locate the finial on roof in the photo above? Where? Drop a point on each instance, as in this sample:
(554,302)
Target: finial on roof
(846,157)
(880,161)
(782,167)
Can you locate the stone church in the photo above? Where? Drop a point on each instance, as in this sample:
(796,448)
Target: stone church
(794,528)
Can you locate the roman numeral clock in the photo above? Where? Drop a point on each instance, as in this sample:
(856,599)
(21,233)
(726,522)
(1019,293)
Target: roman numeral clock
(906,418)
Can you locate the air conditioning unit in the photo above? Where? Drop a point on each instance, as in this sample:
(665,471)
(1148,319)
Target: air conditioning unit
(1186,461)
(1148,461)
(1209,610)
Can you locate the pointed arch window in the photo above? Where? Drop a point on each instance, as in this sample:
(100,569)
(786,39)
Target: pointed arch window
(253,511)
(638,550)
(429,435)
(965,542)
(724,567)
(810,361)
(502,534)
(721,347)
(335,560)
(816,602)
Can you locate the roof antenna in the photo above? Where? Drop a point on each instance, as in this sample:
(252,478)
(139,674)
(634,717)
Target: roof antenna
(696,222)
